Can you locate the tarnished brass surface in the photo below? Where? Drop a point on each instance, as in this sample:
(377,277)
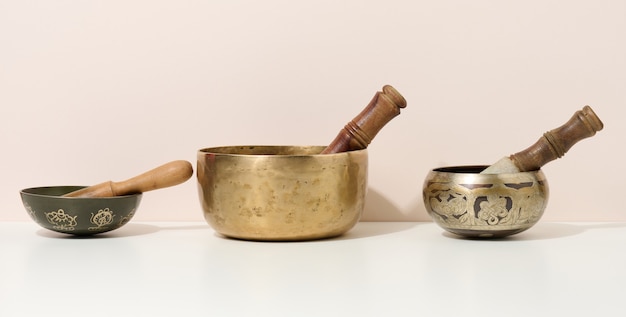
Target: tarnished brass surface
(470,204)
(281,193)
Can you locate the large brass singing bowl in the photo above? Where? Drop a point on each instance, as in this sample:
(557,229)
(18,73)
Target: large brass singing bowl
(281,193)
(467,203)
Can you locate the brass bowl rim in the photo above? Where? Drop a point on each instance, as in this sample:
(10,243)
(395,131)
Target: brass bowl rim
(472,169)
(29,192)
(217,150)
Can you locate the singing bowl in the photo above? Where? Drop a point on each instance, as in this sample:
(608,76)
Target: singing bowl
(467,203)
(281,193)
(77,216)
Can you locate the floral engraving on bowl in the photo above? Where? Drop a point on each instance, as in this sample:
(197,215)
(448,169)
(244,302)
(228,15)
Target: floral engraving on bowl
(101,219)
(485,205)
(125,220)
(61,221)
(31,212)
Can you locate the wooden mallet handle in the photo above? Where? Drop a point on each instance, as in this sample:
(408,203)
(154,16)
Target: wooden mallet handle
(555,143)
(359,132)
(169,174)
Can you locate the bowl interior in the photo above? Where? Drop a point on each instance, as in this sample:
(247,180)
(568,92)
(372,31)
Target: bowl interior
(50,190)
(263,150)
(468,169)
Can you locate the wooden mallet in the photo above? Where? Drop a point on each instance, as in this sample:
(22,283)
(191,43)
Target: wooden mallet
(552,145)
(360,131)
(169,174)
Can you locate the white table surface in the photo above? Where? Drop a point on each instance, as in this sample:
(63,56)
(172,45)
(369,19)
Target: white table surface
(376,269)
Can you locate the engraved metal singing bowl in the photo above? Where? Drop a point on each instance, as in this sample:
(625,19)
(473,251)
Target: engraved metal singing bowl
(467,203)
(281,193)
(77,216)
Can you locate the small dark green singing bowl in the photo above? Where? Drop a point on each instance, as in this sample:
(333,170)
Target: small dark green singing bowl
(77,216)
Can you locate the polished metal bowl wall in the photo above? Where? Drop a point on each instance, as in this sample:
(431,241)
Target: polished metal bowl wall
(467,203)
(285,193)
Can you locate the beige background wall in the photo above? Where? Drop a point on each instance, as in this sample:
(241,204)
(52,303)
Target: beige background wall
(99,90)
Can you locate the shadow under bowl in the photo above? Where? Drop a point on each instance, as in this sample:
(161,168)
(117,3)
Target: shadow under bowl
(467,203)
(77,216)
(281,193)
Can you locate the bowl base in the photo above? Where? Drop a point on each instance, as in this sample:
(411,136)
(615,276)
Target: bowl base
(485,234)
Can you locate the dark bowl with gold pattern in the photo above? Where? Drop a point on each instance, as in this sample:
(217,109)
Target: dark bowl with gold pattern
(77,216)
